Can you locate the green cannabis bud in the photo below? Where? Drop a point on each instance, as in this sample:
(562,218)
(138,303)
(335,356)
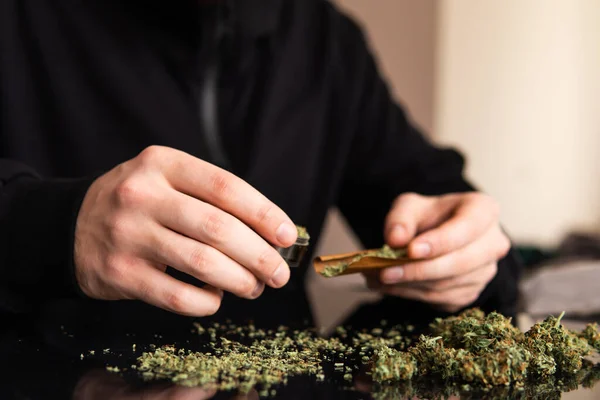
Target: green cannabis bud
(487,351)
(554,348)
(302,232)
(591,334)
(394,365)
(337,268)
(470,352)
(386,251)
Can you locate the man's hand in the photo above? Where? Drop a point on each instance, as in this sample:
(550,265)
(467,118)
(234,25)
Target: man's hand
(167,208)
(460,239)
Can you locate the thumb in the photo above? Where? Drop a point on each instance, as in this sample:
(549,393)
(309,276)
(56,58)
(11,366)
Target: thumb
(412,214)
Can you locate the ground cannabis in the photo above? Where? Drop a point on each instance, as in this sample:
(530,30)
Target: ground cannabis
(268,359)
(336,269)
(592,335)
(302,232)
(487,350)
(386,251)
(263,358)
(468,353)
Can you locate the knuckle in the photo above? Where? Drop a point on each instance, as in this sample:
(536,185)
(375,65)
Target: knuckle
(246,287)
(119,228)
(130,193)
(221,185)
(175,301)
(117,267)
(113,268)
(408,197)
(265,213)
(151,155)
(198,260)
(145,292)
(268,261)
(215,227)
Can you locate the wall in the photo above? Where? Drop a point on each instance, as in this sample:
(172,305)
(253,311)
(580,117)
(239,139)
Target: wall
(403,34)
(518,90)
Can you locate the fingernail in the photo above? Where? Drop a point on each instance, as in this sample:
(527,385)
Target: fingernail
(392,275)
(260,286)
(281,275)
(286,234)
(421,250)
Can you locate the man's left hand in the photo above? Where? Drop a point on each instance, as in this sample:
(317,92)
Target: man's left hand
(457,238)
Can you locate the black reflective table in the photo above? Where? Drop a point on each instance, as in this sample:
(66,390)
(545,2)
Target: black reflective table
(62,353)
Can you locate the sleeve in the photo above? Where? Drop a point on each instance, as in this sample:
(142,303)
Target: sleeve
(37,224)
(389,156)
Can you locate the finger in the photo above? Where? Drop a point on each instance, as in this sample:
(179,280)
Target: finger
(488,248)
(204,181)
(471,217)
(161,290)
(203,262)
(479,276)
(450,299)
(208,224)
(412,213)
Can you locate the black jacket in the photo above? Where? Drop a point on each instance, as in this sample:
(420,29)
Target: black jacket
(302,114)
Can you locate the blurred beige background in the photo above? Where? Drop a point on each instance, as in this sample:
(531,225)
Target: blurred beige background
(514,84)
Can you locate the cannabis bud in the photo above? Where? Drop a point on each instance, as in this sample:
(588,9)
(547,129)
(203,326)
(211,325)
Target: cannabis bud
(487,350)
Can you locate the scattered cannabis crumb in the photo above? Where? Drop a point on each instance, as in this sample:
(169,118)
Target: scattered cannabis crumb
(386,251)
(466,353)
(270,359)
(113,369)
(265,359)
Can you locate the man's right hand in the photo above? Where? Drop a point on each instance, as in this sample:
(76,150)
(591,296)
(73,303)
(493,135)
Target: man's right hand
(167,208)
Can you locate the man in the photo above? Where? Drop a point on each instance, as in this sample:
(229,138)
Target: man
(157,151)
